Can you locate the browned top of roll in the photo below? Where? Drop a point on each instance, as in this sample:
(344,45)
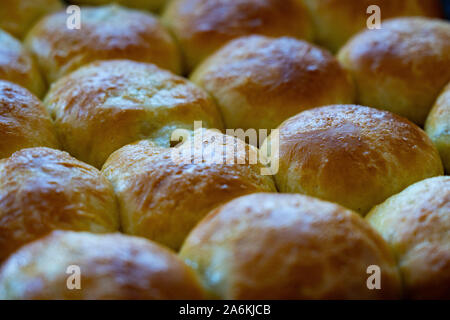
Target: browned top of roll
(43,189)
(112,267)
(280,246)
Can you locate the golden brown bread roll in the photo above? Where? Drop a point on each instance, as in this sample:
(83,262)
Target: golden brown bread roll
(111,266)
(152,5)
(163,195)
(17,65)
(438,126)
(352,155)
(279,246)
(18,16)
(336,21)
(43,189)
(258,82)
(107,32)
(24,121)
(416,224)
(106,105)
(203,26)
(402,67)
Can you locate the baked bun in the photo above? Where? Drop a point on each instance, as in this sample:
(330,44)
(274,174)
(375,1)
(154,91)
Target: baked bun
(336,21)
(108,32)
(24,121)
(108,104)
(164,193)
(111,267)
(416,224)
(352,155)
(258,82)
(17,65)
(280,246)
(438,126)
(151,5)
(18,16)
(43,189)
(203,26)
(402,67)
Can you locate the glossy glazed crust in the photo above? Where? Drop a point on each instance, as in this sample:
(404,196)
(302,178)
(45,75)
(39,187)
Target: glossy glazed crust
(112,266)
(24,121)
(106,105)
(258,82)
(164,193)
(352,155)
(203,26)
(438,126)
(279,246)
(17,65)
(43,189)
(152,5)
(336,21)
(139,36)
(402,67)
(416,224)
(18,16)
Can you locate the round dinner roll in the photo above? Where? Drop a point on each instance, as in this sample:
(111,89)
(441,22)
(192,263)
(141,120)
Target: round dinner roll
(163,193)
(107,32)
(17,65)
(438,126)
(402,67)
(336,21)
(24,121)
(258,82)
(352,155)
(416,224)
(152,5)
(108,104)
(112,267)
(18,16)
(203,26)
(284,246)
(43,189)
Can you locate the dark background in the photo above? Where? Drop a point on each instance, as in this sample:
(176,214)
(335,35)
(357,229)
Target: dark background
(447,8)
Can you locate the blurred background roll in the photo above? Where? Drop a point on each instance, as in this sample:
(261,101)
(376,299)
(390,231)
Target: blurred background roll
(107,32)
(106,105)
(402,67)
(164,193)
(203,26)
(18,16)
(258,82)
(18,66)
(416,224)
(110,267)
(43,189)
(336,21)
(438,126)
(278,246)
(352,155)
(24,121)
(151,5)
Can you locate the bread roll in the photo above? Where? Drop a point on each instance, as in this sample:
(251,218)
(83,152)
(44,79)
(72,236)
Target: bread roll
(336,21)
(108,32)
(258,82)
(17,65)
(402,67)
(352,155)
(280,246)
(416,224)
(106,105)
(152,5)
(203,26)
(24,121)
(438,126)
(162,195)
(111,267)
(43,189)
(18,16)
